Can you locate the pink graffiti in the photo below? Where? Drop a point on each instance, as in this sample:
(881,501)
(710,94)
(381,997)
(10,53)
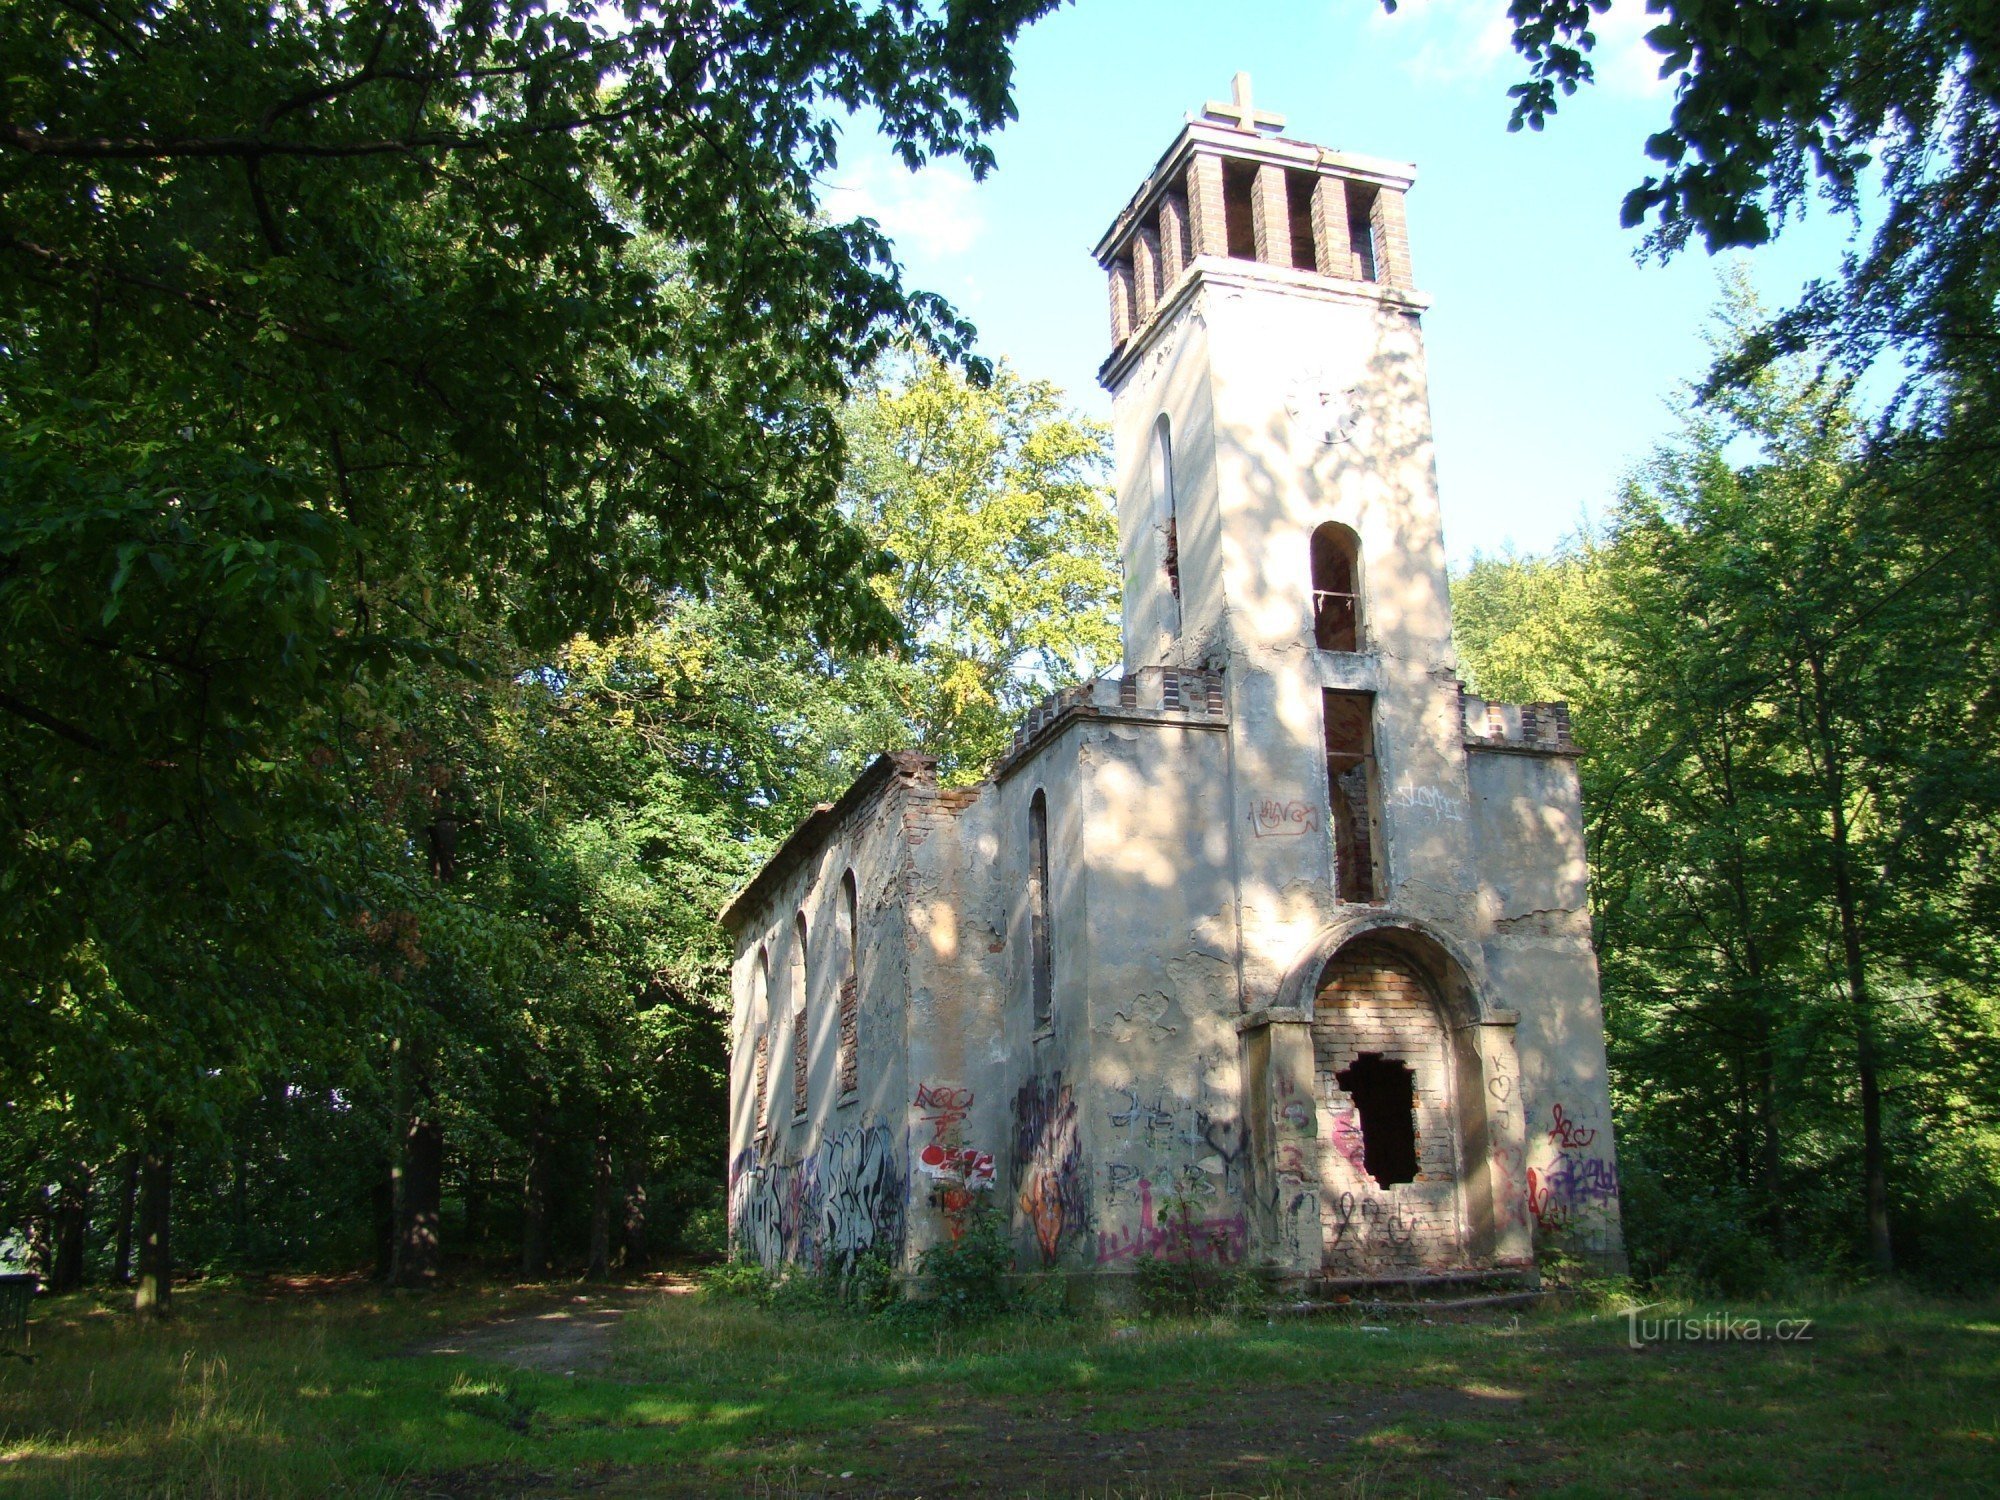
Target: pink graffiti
(1223,1239)
(1347,1139)
(1272,819)
(1567,1134)
(1509,1206)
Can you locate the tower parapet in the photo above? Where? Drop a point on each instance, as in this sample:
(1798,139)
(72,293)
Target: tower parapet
(1232,192)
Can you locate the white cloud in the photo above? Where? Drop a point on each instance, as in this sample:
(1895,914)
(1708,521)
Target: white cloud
(932,211)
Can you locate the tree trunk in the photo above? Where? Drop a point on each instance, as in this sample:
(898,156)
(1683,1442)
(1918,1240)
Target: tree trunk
(128,1195)
(419,1200)
(475,1206)
(601,1179)
(152,1295)
(535,1203)
(72,1230)
(239,1197)
(383,1205)
(1773,1161)
(1874,1164)
(632,1220)
(1771,1183)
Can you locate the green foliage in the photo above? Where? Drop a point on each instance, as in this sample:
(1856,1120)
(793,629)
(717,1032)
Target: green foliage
(992,500)
(746,1279)
(1779,669)
(421,551)
(1192,1276)
(964,1278)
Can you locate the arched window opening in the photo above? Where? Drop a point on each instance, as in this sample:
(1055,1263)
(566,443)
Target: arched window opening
(1039,935)
(850,986)
(1336,588)
(760,1025)
(1166,512)
(1385,1096)
(799,1059)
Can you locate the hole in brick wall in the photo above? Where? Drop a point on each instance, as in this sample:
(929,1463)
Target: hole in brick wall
(1361,230)
(1385,1096)
(1239,182)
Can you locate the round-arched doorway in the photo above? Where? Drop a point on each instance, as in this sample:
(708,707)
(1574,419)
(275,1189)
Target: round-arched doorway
(1386,1089)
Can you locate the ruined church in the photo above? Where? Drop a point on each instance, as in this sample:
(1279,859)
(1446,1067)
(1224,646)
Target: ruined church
(1271,949)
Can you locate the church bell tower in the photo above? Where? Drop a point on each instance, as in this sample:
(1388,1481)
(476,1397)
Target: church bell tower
(1277,501)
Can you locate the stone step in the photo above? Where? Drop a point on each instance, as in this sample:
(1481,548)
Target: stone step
(1494,1302)
(1417,1285)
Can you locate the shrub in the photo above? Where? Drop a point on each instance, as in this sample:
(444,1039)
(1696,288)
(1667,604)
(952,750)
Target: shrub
(740,1278)
(966,1276)
(1192,1276)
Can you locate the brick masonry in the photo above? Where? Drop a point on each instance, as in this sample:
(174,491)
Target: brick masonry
(1372,1001)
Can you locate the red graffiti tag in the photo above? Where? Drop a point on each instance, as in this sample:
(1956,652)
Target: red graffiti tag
(1567,1134)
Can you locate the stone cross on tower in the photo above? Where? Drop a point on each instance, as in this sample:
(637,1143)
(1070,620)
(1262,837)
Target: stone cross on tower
(1241,113)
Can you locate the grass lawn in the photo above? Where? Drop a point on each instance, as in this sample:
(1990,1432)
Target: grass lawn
(327,1389)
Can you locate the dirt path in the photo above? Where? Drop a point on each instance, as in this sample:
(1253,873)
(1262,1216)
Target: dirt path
(571,1336)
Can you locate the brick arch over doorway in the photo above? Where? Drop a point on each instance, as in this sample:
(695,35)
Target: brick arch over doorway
(1385,1085)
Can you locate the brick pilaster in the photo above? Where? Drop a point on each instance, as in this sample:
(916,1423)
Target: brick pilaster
(1208,222)
(1121,302)
(1145,274)
(1271,216)
(1392,240)
(1173,239)
(1333,247)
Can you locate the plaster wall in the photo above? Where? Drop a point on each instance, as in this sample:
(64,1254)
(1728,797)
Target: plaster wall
(827,1182)
(1528,830)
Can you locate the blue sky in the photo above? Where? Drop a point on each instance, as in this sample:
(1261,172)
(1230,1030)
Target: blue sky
(1552,350)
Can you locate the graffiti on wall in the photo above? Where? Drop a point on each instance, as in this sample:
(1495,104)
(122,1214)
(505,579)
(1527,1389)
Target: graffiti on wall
(1427,804)
(1575,1187)
(1271,818)
(1048,1163)
(956,1170)
(1211,1146)
(1347,1138)
(840,1201)
(1175,1234)
(1150,1118)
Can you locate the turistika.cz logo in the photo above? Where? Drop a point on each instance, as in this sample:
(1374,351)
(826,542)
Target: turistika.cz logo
(1712,1328)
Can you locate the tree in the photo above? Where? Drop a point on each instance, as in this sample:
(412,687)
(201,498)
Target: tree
(343,343)
(1791,805)
(992,501)
(1775,100)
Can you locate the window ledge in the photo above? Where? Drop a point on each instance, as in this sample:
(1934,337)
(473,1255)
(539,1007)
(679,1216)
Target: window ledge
(852,1096)
(1043,1034)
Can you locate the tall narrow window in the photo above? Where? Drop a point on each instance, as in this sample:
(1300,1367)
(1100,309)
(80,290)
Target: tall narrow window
(799,1057)
(760,1022)
(1167,512)
(1351,787)
(1336,588)
(850,987)
(1039,935)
